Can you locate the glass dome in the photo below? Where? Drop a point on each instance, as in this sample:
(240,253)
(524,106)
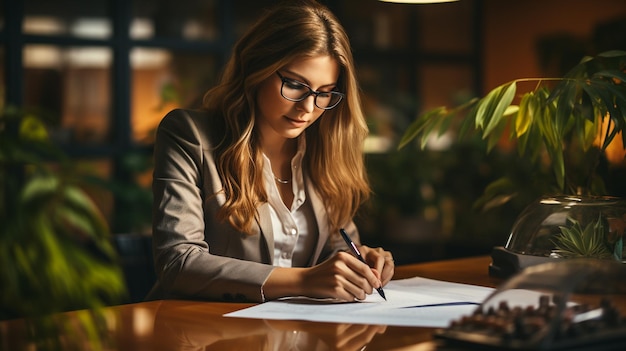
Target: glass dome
(546,227)
(557,305)
(563,227)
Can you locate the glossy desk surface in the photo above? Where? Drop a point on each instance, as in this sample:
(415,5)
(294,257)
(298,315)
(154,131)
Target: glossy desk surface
(196,325)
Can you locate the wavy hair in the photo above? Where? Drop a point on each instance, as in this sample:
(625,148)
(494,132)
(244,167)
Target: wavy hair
(334,160)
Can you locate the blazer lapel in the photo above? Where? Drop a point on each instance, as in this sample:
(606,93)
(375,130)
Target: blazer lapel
(265,224)
(321,217)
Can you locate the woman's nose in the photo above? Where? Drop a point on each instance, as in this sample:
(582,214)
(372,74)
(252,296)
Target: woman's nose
(308,104)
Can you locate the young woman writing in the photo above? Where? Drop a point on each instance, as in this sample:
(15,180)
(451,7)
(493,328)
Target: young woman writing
(251,191)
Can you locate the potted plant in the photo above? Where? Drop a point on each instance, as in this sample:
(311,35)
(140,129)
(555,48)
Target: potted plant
(55,252)
(561,128)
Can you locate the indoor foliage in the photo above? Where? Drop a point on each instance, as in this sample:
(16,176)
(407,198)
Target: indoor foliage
(55,249)
(562,126)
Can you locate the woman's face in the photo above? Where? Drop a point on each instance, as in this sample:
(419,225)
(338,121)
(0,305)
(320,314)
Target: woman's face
(278,117)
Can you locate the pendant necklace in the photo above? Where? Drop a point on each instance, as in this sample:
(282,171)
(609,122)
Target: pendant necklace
(281,181)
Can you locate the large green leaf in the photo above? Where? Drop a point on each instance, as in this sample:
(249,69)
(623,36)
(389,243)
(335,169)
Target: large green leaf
(612,53)
(588,131)
(491,108)
(530,142)
(497,193)
(619,93)
(606,105)
(565,106)
(558,164)
(525,115)
(419,124)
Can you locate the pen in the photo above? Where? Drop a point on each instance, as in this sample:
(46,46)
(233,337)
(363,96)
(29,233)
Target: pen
(357,253)
(441,304)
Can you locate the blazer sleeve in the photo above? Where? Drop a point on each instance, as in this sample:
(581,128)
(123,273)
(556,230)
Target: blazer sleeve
(196,257)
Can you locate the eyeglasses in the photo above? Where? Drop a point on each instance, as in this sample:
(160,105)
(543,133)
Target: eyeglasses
(295,91)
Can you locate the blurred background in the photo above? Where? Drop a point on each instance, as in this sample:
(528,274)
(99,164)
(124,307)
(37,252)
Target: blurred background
(102,73)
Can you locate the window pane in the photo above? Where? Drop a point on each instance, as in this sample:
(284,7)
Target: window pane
(79,18)
(196,20)
(163,80)
(71,87)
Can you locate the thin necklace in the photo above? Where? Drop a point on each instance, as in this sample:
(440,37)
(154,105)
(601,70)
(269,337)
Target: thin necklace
(281,181)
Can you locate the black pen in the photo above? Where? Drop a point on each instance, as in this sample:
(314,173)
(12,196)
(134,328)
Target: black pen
(357,253)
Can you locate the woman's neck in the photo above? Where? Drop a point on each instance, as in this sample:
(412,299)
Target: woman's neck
(283,149)
(280,153)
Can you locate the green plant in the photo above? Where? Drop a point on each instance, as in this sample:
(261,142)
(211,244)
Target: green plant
(55,252)
(590,241)
(561,126)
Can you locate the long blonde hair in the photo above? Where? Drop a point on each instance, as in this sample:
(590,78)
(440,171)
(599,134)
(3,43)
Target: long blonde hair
(334,157)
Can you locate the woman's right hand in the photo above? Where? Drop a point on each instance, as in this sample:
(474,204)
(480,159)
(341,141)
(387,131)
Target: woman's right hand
(341,277)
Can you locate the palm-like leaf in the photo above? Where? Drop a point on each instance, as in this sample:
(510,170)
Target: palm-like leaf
(549,120)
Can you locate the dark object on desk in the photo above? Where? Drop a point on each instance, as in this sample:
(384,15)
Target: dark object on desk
(506,263)
(563,305)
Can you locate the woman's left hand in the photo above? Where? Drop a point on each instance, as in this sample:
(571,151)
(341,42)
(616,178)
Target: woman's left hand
(380,260)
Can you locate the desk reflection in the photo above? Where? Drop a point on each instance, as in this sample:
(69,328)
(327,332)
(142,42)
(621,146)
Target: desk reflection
(175,328)
(195,325)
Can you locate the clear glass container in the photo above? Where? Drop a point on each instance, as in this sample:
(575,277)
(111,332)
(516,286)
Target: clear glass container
(563,227)
(552,225)
(563,304)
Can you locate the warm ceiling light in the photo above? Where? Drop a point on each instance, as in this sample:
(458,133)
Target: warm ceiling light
(418,1)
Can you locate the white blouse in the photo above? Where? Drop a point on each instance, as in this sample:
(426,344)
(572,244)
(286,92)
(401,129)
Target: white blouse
(295,230)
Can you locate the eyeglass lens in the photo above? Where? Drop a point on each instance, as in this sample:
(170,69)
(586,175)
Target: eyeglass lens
(296,91)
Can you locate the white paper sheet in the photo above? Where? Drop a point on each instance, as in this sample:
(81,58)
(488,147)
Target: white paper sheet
(416,302)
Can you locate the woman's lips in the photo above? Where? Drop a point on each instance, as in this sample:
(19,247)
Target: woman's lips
(296,122)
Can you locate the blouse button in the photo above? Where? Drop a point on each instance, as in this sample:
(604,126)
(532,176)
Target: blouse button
(294,231)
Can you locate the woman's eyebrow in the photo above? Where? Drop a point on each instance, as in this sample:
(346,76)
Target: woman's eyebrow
(304,80)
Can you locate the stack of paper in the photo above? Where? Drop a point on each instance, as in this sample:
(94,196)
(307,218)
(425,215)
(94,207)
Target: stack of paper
(416,302)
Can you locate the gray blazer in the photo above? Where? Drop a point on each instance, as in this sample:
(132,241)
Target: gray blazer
(195,255)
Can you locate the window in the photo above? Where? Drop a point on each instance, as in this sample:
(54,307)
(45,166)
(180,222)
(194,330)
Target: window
(103,73)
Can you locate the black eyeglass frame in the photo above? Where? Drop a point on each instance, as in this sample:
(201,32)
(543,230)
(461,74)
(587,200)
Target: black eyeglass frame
(309,93)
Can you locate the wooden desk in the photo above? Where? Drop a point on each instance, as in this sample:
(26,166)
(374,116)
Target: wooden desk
(193,325)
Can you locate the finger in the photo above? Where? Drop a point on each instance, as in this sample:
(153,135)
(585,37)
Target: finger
(379,283)
(356,291)
(361,275)
(388,270)
(362,286)
(375,271)
(375,257)
(384,264)
(350,282)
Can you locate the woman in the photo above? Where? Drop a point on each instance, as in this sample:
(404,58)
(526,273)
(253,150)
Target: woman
(250,192)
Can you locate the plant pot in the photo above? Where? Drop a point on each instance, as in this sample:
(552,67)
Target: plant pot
(562,227)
